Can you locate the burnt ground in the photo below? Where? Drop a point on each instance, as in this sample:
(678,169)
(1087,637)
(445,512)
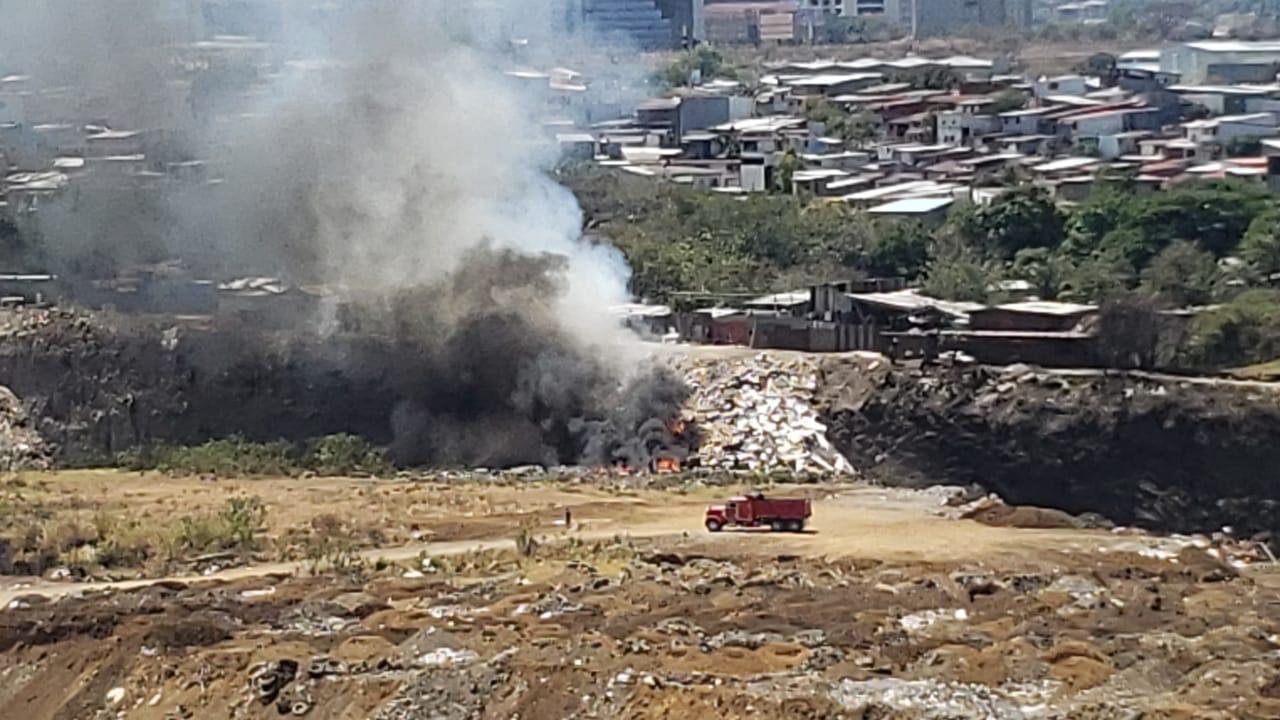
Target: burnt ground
(665,629)
(99,384)
(1188,456)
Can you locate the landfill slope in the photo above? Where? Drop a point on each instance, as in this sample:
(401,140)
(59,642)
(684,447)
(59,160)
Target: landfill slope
(647,630)
(1156,452)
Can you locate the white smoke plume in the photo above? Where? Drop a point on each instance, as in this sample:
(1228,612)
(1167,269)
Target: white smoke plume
(378,148)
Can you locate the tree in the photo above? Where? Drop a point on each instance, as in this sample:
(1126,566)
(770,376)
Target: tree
(1024,217)
(1261,244)
(855,129)
(1097,278)
(1007,100)
(1129,332)
(1182,274)
(1244,147)
(702,63)
(1244,331)
(1215,215)
(1101,65)
(898,249)
(1047,271)
(957,272)
(786,170)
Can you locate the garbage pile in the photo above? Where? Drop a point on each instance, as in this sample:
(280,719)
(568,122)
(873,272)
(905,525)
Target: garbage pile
(758,413)
(21,447)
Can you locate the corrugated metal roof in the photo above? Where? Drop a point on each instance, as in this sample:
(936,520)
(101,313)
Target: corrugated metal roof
(1047,307)
(783,299)
(912,206)
(911,300)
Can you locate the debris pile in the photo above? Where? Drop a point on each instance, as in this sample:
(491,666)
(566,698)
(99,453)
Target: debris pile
(758,413)
(21,447)
(933,699)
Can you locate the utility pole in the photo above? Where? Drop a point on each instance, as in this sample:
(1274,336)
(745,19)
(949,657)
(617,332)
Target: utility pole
(915,20)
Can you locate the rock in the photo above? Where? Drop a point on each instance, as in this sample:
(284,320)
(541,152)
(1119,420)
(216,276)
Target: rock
(115,696)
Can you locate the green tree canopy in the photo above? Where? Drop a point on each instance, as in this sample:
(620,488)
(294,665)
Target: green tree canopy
(1182,274)
(1024,217)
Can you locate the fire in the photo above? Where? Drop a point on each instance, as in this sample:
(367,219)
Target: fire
(666,465)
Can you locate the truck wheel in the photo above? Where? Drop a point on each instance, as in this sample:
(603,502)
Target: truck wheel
(777,526)
(796,526)
(714,525)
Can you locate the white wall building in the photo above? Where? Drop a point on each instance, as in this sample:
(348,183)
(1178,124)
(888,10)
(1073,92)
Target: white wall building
(1222,60)
(1223,130)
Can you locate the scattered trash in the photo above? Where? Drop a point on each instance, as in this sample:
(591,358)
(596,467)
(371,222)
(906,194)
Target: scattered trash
(759,414)
(447,657)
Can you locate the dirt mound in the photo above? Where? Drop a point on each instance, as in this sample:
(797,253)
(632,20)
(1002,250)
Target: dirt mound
(1160,453)
(1000,515)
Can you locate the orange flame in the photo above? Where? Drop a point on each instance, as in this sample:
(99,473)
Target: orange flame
(666,465)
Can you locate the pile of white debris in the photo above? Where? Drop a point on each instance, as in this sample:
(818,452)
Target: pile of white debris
(758,413)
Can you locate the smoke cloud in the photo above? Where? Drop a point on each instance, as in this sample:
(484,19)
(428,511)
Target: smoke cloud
(378,149)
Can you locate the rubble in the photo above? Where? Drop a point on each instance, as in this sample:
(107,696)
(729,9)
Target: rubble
(759,414)
(21,447)
(933,700)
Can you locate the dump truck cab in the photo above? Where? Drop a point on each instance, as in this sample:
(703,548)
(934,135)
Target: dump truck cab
(755,510)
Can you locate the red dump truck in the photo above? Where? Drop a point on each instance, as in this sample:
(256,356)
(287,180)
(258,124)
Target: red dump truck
(756,510)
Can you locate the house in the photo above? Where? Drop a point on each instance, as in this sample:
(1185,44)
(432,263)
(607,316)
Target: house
(848,160)
(716,326)
(931,211)
(1271,151)
(1074,85)
(106,142)
(961,127)
(983,167)
(1230,61)
(916,127)
(1025,144)
(1025,122)
(831,85)
(745,22)
(1220,132)
(1085,11)
(1063,167)
(1091,125)
(580,145)
(1228,99)
(795,303)
(1037,332)
(815,182)
(1119,144)
(1031,315)
(653,321)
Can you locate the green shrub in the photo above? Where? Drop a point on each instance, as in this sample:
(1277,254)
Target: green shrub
(235,527)
(237,457)
(1241,332)
(345,454)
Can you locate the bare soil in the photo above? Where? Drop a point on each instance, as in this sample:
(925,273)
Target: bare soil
(891,607)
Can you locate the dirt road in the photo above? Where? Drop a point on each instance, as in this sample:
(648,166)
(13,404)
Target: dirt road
(863,522)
